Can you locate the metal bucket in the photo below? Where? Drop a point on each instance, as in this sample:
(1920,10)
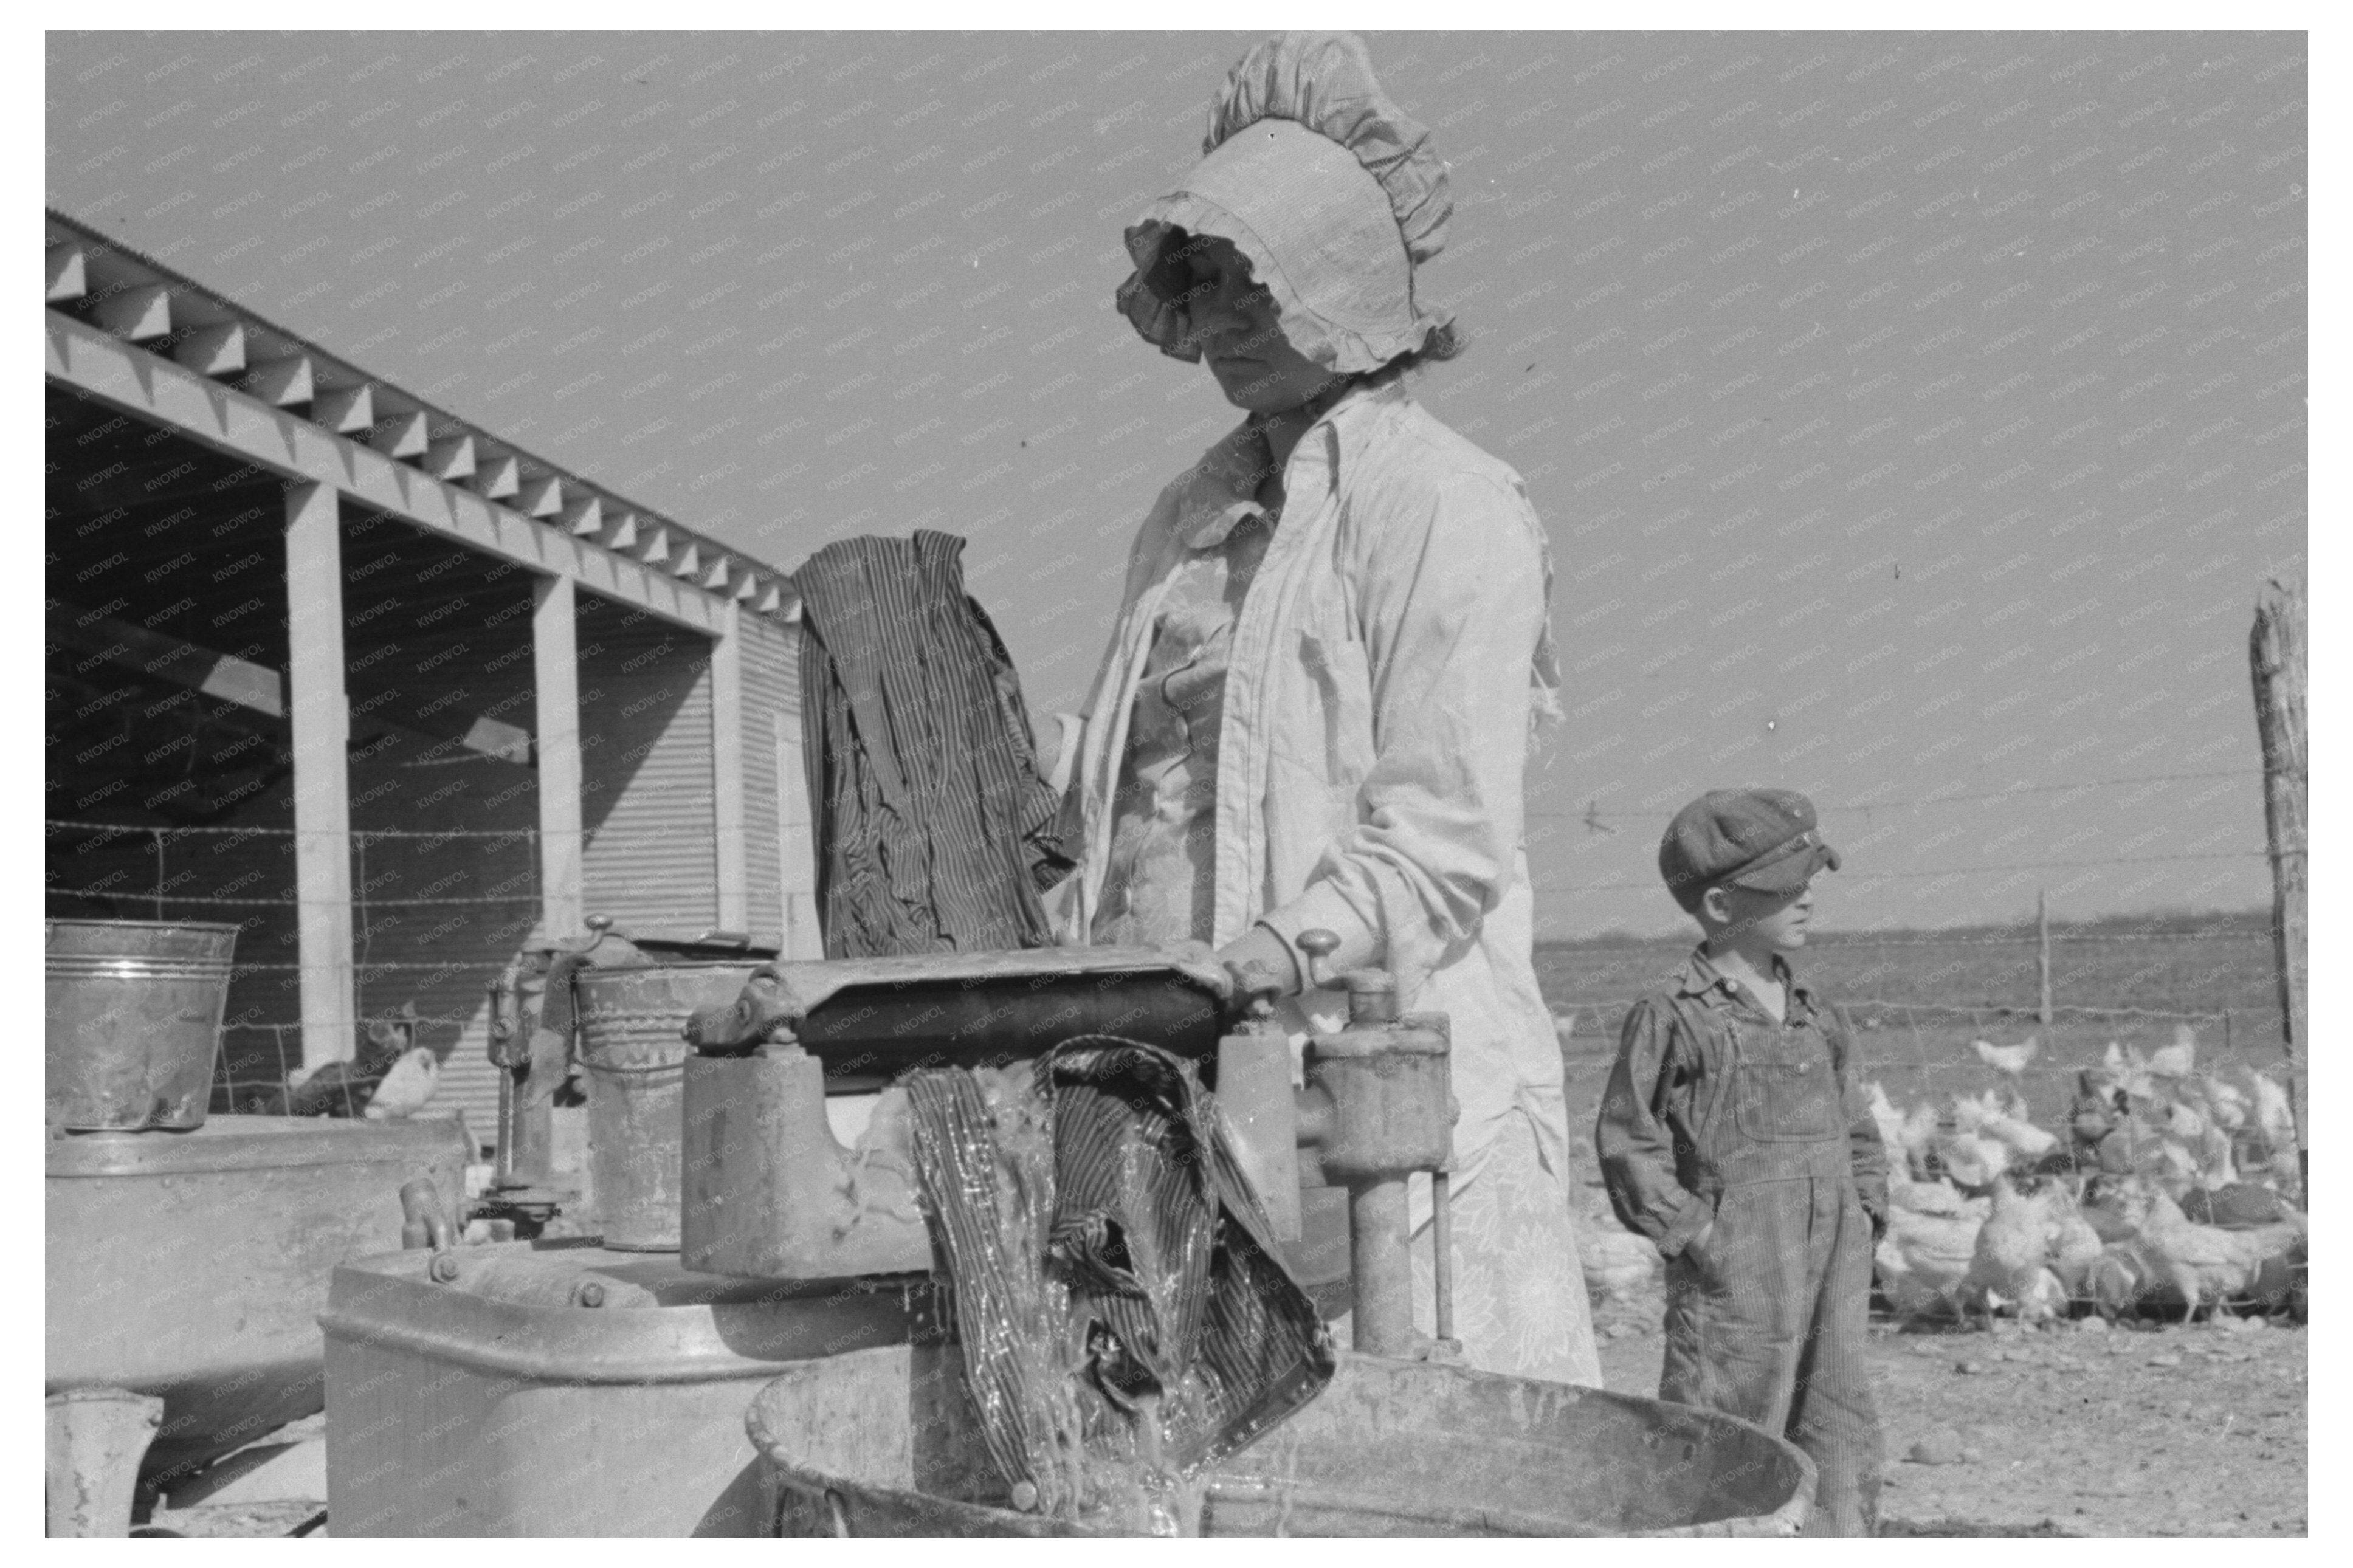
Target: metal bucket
(634,1051)
(134,1018)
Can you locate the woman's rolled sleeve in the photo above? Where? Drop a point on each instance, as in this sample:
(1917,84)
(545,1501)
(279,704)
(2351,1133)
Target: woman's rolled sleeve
(1451,612)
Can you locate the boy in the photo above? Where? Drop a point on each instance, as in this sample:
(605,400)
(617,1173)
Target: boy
(1733,1136)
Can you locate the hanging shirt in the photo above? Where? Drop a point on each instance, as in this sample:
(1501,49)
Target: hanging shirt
(934,832)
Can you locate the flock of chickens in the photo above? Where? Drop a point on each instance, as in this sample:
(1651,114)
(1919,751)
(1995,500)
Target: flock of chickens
(2169,1189)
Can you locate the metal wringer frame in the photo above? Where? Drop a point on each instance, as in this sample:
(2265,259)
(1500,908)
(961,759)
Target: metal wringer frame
(769,1192)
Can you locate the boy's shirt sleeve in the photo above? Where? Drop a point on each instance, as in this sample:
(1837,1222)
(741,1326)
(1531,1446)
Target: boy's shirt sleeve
(1636,1146)
(1868,1150)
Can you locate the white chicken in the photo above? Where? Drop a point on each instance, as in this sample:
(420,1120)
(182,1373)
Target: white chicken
(2226,1103)
(1617,1264)
(1889,1119)
(408,1087)
(2012,1248)
(2011,1059)
(1971,1158)
(2273,1114)
(2178,1060)
(2203,1264)
(2074,1244)
(1937,1197)
(1924,1260)
(2007,1123)
(2127,1069)
(1919,1137)
(2120,1277)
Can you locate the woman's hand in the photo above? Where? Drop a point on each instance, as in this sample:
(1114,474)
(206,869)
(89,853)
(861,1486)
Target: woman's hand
(1262,961)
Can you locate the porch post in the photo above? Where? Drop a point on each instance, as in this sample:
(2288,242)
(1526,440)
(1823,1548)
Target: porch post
(727,771)
(322,721)
(555,668)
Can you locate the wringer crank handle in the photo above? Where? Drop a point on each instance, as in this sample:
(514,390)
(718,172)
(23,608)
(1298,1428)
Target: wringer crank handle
(1380,1106)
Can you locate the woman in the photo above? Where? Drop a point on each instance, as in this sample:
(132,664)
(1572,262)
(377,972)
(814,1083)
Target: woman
(1316,704)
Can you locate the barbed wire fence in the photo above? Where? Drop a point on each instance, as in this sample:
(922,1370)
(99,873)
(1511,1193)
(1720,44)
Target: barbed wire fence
(1920,1048)
(262,1040)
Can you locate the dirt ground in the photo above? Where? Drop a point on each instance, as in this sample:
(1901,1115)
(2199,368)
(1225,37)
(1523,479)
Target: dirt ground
(2076,1430)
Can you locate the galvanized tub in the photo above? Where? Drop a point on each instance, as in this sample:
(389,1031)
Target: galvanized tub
(194,1267)
(135,1016)
(502,1402)
(884,1443)
(634,1051)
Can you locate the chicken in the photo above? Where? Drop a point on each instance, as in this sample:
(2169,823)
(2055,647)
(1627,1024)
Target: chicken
(1890,1120)
(2126,1070)
(2178,1060)
(2227,1101)
(2011,1059)
(2094,1115)
(344,1088)
(406,1087)
(1919,1137)
(1971,1159)
(2010,1126)
(2173,1164)
(2181,1121)
(1924,1260)
(1617,1263)
(2012,1247)
(2045,1299)
(2216,1166)
(2200,1263)
(1937,1197)
(2074,1246)
(2271,1111)
(2119,1279)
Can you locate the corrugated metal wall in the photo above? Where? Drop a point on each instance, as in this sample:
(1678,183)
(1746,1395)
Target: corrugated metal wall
(647,796)
(771,696)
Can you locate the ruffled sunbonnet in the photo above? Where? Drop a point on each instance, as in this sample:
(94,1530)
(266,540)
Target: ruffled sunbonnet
(1331,192)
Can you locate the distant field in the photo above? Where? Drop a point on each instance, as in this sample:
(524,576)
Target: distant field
(1918,998)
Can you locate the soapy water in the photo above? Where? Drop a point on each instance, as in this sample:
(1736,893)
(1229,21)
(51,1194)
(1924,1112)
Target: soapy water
(1117,1331)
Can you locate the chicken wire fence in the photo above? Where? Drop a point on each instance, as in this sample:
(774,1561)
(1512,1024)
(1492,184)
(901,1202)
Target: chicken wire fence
(420,928)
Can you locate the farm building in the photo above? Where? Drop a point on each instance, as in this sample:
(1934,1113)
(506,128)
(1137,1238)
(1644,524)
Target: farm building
(395,697)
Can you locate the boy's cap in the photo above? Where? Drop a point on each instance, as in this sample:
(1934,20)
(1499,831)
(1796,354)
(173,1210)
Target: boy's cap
(1760,838)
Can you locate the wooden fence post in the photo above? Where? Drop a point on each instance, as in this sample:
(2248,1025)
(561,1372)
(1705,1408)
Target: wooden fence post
(2275,653)
(2042,953)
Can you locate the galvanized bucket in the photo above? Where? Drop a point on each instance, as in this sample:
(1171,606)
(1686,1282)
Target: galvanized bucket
(134,1018)
(632,1043)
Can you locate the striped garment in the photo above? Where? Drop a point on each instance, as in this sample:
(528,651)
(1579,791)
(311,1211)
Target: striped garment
(1130,1270)
(934,832)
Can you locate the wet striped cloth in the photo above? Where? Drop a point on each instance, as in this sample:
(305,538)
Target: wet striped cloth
(934,832)
(1103,1251)
(1168,1254)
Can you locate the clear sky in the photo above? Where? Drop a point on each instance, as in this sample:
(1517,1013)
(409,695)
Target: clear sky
(1915,416)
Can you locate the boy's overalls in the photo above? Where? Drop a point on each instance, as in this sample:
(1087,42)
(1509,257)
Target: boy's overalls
(1715,1111)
